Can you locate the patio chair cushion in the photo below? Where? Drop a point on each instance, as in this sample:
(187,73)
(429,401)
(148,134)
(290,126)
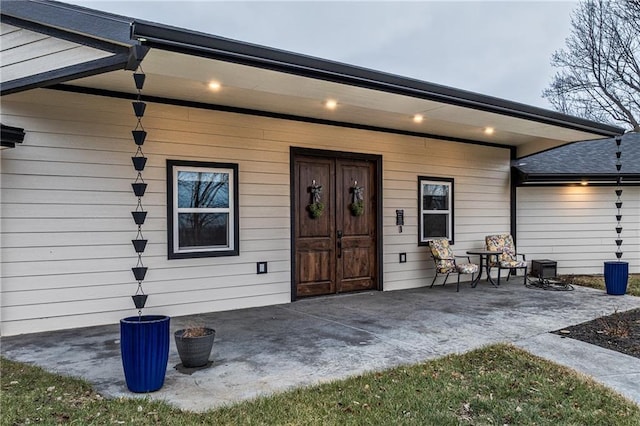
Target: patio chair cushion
(467,268)
(443,256)
(506,264)
(502,243)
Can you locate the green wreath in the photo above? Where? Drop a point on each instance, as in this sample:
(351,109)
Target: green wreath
(357,208)
(316,209)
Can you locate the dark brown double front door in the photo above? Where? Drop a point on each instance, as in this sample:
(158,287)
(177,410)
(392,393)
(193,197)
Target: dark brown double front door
(335,252)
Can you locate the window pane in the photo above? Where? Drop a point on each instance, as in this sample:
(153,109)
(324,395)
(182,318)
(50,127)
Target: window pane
(435,226)
(203,230)
(435,197)
(203,190)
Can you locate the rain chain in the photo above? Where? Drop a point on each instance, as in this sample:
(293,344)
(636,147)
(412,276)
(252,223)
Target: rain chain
(139,187)
(619,199)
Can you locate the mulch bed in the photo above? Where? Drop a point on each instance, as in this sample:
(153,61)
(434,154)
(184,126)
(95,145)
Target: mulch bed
(618,332)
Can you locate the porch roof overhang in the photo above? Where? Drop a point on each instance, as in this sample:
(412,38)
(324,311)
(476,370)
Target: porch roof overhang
(254,79)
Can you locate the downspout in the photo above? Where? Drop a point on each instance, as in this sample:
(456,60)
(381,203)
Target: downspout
(513,184)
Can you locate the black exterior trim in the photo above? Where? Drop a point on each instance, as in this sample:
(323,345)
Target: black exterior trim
(570,179)
(453,206)
(323,153)
(11,136)
(82,26)
(171,254)
(98,66)
(74,19)
(31,25)
(513,199)
(200,44)
(268,114)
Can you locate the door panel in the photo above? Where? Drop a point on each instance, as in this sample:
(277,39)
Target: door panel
(356,266)
(315,237)
(337,251)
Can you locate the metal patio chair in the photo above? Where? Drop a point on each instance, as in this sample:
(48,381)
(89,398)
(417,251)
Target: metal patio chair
(445,262)
(508,259)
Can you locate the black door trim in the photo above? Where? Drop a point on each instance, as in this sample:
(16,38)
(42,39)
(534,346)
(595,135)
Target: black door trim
(323,153)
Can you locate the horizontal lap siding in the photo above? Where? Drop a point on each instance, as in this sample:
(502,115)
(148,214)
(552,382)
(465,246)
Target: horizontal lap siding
(481,202)
(66,202)
(575,226)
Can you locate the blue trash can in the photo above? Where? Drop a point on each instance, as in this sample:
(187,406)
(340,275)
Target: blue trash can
(616,277)
(144,346)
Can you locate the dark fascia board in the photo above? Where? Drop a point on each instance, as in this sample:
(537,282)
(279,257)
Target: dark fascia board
(11,136)
(531,179)
(205,45)
(72,19)
(77,25)
(61,75)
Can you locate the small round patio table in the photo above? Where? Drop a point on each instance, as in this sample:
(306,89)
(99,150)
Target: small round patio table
(485,264)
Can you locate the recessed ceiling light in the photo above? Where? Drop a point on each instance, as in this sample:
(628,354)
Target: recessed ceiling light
(418,118)
(584,183)
(331,104)
(489,130)
(214,85)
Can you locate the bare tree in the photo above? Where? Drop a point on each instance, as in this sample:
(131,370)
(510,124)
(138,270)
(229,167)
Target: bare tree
(599,75)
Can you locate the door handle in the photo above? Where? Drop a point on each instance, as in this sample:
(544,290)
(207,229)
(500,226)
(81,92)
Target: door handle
(339,243)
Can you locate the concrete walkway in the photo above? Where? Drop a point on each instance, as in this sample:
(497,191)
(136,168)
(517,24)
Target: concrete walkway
(263,350)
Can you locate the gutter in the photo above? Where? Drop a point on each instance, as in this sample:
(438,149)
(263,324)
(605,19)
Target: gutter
(608,179)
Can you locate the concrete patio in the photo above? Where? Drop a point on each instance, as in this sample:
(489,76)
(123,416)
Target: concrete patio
(263,350)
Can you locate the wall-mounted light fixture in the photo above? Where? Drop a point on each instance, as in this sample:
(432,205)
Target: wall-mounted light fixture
(11,136)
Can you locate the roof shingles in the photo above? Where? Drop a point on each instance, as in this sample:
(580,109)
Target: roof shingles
(587,158)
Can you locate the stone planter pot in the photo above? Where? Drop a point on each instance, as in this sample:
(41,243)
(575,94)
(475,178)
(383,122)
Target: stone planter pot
(194,351)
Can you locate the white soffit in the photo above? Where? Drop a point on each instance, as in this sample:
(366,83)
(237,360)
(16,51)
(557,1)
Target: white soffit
(186,77)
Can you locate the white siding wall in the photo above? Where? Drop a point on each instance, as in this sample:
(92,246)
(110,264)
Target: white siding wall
(66,202)
(575,225)
(26,53)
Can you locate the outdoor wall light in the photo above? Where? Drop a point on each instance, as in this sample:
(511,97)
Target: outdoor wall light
(331,104)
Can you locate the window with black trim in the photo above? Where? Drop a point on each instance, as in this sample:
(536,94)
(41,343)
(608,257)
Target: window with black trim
(435,209)
(202,209)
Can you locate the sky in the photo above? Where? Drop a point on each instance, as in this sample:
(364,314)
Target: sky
(499,48)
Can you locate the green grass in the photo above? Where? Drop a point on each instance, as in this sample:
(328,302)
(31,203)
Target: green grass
(498,384)
(597,281)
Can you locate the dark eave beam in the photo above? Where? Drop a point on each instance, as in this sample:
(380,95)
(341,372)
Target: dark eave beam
(524,179)
(61,75)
